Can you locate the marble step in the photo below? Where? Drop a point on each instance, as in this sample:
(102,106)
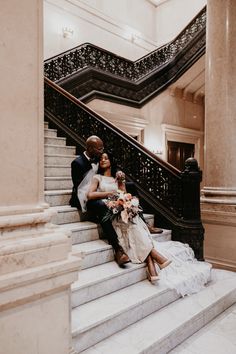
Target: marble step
(218,334)
(57,149)
(57,197)
(50,132)
(83,231)
(45,125)
(55,183)
(57,159)
(89,231)
(159,332)
(57,170)
(104,279)
(54,140)
(65,214)
(100,318)
(163,237)
(94,253)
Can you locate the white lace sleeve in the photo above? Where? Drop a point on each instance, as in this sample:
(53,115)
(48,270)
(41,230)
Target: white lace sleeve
(97,177)
(83,189)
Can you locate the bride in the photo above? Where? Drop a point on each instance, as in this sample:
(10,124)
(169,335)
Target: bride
(178,267)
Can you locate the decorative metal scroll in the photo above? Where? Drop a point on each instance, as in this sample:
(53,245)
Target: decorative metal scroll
(149,173)
(87,55)
(173,194)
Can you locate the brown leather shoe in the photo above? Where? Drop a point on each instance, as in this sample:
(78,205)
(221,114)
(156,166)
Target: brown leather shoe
(121,258)
(154,230)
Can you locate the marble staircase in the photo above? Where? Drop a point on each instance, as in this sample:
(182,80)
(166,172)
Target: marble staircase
(117,310)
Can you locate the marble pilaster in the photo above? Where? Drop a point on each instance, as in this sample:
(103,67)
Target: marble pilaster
(36,266)
(219,192)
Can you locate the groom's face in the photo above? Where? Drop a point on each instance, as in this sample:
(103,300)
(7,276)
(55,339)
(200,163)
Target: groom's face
(96,149)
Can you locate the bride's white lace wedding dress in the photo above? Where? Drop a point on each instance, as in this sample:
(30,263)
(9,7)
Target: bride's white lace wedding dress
(185,273)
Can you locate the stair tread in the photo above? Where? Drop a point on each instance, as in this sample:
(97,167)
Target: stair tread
(57,166)
(94,275)
(109,305)
(57,191)
(57,178)
(59,155)
(81,225)
(63,209)
(218,334)
(91,246)
(158,326)
(61,146)
(54,137)
(46,129)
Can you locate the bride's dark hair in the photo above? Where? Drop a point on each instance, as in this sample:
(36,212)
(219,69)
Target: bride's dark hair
(112,162)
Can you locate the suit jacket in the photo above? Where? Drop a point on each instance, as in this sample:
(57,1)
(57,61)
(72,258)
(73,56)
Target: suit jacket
(79,167)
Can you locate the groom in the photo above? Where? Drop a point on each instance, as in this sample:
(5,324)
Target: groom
(79,169)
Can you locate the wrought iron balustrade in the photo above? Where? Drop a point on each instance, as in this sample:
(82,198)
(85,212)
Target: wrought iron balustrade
(86,56)
(172,194)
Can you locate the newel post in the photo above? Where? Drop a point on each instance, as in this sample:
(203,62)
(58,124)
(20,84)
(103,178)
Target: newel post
(191,179)
(194,232)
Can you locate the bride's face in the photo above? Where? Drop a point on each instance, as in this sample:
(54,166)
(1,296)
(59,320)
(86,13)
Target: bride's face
(104,162)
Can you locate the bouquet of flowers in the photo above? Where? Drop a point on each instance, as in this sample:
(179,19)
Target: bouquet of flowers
(122,205)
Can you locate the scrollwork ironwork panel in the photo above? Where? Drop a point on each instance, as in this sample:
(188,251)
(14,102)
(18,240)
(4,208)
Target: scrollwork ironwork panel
(144,169)
(88,55)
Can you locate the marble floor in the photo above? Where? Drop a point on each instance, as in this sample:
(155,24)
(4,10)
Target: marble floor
(218,337)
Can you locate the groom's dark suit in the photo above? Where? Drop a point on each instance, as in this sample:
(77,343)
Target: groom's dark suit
(79,167)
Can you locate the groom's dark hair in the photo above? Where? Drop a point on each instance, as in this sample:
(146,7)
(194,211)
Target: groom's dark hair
(113,165)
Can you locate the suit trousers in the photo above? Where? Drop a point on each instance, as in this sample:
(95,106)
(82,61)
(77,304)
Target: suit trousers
(99,208)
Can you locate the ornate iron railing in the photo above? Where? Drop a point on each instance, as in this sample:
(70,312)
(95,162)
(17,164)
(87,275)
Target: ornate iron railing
(173,195)
(87,55)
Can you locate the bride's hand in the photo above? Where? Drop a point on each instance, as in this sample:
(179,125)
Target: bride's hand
(111,193)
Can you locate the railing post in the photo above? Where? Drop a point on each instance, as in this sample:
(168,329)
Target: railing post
(191,179)
(193,233)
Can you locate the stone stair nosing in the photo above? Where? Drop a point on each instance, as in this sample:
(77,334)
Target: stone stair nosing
(57,183)
(65,214)
(57,170)
(50,132)
(58,159)
(59,149)
(54,140)
(57,197)
(104,279)
(94,252)
(158,325)
(83,231)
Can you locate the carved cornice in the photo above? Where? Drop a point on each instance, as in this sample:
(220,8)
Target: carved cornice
(90,72)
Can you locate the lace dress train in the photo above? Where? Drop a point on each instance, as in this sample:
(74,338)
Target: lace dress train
(185,274)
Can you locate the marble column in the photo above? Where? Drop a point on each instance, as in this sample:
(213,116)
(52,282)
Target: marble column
(36,266)
(219,192)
